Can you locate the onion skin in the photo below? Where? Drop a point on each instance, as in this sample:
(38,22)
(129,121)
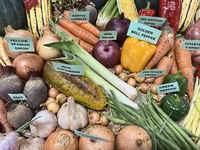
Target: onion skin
(133,138)
(121,25)
(61,140)
(100,131)
(27,62)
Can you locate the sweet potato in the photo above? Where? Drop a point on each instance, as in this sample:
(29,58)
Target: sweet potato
(193,33)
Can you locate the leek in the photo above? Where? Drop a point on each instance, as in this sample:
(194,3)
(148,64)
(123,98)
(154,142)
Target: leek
(109,11)
(76,55)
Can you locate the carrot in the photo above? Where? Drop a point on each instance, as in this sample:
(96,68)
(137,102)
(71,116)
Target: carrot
(78,31)
(164,64)
(5,126)
(83,44)
(163,46)
(183,59)
(174,68)
(85,25)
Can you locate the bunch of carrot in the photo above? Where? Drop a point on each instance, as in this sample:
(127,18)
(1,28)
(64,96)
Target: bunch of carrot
(85,33)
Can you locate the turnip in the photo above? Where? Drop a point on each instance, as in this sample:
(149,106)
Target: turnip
(35,90)
(10,83)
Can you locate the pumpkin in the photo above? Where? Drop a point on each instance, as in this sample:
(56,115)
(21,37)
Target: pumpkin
(12,12)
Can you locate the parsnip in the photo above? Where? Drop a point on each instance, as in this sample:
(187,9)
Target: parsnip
(5,59)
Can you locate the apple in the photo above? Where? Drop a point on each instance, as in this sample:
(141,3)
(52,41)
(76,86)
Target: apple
(107,53)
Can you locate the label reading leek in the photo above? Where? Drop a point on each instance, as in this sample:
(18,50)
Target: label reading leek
(20,44)
(79,16)
(167,88)
(17,97)
(191,45)
(89,136)
(151,21)
(108,35)
(69,69)
(151,73)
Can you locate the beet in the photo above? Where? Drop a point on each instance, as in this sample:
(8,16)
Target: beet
(35,90)
(10,83)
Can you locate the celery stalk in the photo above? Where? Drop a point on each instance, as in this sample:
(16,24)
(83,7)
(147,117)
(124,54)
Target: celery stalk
(90,65)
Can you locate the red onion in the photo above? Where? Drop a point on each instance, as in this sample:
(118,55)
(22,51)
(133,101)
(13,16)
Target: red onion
(121,25)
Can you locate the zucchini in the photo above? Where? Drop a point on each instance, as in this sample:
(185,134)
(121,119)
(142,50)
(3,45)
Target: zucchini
(189,8)
(84,90)
(38,17)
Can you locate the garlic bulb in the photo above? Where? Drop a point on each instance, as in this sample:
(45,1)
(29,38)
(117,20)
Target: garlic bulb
(72,115)
(31,143)
(44,125)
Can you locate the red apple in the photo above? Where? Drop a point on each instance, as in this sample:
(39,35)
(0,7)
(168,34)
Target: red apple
(107,53)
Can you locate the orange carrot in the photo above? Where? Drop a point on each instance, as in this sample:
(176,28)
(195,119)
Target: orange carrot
(164,64)
(78,31)
(174,68)
(82,43)
(85,25)
(183,59)
(163,46)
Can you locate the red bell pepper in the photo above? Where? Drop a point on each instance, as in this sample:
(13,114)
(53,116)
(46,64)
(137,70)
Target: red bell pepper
(171,10)
(147,11)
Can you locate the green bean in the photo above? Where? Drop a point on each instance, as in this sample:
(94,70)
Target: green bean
(153,139)
(131,108)
(114,112)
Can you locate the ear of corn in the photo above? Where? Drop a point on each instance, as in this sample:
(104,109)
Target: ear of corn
(128,8)
(38,17)
(189,8)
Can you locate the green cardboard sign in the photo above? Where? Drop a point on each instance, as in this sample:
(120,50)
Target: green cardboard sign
(69,69)
(143,32)
(79,16)
(108,35)
(20,44)
(17,97)
(151,73)
(191,45)
(167,88)
(151,21)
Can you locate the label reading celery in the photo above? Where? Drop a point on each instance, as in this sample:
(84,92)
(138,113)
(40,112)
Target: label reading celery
(29,4)
(167,88)
(69,69)
(79,16)
(151,21)
(143,32)
(89,136)
(20,44)
(151,73)
(17,97)
(108,35)
(191,45)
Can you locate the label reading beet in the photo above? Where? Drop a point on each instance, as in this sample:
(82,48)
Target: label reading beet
(29,4)
(17,97)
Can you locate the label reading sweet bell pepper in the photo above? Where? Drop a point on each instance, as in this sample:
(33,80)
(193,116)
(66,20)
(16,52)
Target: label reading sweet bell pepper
(108,35)
(17,97)
(191,45)
(151,21)
(167,88)
(69,69)
(143,32)
(20,44)
(151,73)
(79,16)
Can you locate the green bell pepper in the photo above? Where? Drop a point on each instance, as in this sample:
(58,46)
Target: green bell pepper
(180,79)
(176,105)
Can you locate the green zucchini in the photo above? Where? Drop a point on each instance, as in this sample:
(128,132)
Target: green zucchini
(84,90)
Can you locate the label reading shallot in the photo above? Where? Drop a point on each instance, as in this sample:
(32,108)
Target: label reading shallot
(167,88)
(89,136)
(151,73)
(151,21)
(17,97)
(108,35)
(69,69)
(191,45)
(79,16)
(143,32)
(20,44)
(29,4)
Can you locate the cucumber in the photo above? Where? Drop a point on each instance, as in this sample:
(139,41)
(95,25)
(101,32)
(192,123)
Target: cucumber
(84,90)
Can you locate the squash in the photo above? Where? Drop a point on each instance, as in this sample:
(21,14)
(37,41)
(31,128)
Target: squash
(12,12)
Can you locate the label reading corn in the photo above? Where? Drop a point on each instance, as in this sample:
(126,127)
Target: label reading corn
(79,16)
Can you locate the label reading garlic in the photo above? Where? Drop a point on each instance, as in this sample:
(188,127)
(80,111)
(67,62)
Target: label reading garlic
(89,136)
(17,97)
(167,88)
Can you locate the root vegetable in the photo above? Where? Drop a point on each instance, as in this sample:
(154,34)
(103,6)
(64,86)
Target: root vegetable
(153,88)
(31,143)
(123,76)
(132,82)
(143,87)
(138,79)
(100,131)
(149,80)
(53,107)
(118,69)
(133,138)
(49,100)
(103,120)
(61,98)
(53,92)
(93,117)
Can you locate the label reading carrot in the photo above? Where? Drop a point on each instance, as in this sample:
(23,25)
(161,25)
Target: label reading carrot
(69,69)
(151,21)
(191,45)
(79,16)
(20,44)
(167,88)
(143,32)
(17,97)
(108,35)
(151,73)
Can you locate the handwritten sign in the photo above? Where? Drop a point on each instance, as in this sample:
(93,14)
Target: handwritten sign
(151,73)
(191,45)
(17,97)
(167,88)
(151,21)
